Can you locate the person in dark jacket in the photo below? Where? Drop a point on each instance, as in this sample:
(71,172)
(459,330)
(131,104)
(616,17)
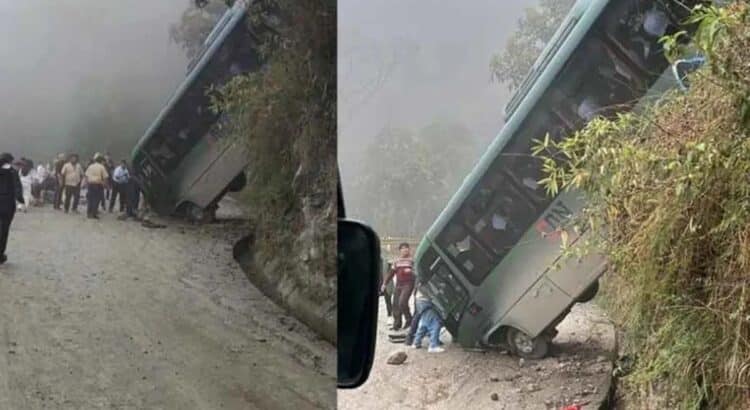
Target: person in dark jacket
(10,193)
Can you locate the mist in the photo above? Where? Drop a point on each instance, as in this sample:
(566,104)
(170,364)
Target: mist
(408,64)
(75,70)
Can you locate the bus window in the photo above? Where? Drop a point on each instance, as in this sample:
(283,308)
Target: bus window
(465,251)
(427,264)
(506,217)
(518,162)
(635,27)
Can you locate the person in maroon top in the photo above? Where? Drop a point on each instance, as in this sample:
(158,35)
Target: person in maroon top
(403,269)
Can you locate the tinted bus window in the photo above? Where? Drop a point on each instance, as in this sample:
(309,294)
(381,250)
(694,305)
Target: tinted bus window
(191,118)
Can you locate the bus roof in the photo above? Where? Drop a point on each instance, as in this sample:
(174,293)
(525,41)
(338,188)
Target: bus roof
(568,36)
(236,12)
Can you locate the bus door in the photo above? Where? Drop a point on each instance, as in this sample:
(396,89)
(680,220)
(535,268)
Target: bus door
(447,293)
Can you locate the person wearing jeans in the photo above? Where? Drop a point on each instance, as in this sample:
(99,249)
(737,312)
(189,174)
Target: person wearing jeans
(431,324)
(422,304)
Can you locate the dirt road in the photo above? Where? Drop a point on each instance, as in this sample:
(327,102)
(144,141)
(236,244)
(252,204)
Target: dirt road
(110,314)
(579,370)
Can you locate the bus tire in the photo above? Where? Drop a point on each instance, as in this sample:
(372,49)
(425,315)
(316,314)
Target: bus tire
(527,347)
(589,293)
(198,215)
(238,183)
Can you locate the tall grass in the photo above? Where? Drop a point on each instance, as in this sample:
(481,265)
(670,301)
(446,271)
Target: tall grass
(672,188)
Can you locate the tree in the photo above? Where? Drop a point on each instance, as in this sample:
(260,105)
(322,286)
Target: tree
(535,29)
(406,178)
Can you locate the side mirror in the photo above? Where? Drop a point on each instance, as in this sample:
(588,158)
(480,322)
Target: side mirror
(359,267)
(681,69)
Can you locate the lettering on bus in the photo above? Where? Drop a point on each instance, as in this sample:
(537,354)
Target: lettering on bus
(549,225)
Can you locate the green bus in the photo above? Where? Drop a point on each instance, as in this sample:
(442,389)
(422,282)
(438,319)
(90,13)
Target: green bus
(487,261)
(184,161)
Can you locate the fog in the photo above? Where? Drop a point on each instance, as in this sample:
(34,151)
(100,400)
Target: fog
(84,69)
(406,64)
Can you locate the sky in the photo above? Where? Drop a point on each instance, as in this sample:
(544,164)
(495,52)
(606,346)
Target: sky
(54,53)
(409,63)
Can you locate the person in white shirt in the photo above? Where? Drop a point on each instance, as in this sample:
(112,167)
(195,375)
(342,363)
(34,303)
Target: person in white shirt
(37,186)
(120,179)
(27,175)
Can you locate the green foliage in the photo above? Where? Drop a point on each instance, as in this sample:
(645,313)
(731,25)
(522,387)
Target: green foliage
(286,116)
(670,189)
(535,29)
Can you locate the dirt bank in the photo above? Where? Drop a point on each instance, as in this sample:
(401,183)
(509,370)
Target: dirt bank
(109,314)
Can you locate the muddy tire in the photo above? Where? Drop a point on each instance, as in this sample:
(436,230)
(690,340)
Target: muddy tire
(589,293)
(198,215)
(527,347)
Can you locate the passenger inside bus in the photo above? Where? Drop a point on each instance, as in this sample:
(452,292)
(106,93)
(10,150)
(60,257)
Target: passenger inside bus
(636,27)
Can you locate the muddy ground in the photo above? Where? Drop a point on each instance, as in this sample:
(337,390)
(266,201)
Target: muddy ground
(110,314)
(578,371)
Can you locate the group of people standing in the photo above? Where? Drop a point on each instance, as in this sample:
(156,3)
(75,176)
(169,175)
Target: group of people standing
(22,185)
(426,321)
(103,182)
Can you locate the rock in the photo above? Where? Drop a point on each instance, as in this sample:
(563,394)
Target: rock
(494,379)
(601,359)
(521,362)
(530,388)
(539,368)
(494,397)
(511,377)
(397,358)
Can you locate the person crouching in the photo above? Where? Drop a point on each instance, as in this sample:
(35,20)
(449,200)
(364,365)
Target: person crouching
(429,324)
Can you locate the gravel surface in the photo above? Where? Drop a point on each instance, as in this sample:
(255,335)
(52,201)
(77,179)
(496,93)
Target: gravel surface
(111,314)
(578,371)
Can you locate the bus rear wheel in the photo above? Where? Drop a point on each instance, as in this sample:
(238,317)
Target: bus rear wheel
(589,293)
(527,347)
(238,183)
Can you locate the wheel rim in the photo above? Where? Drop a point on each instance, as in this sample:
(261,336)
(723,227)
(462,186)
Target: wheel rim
(196,213)
(522,342)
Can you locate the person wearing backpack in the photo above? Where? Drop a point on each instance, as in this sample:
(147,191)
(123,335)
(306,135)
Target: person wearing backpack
(11,193)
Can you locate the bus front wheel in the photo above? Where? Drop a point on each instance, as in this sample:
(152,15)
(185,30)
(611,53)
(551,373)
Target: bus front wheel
(200,215)
(527,347)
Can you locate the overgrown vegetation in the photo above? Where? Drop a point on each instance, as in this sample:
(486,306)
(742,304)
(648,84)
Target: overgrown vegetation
(286,116)
(671,189)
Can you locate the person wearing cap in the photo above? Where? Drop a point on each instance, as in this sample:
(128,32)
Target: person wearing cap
(10,194)
(96,180)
